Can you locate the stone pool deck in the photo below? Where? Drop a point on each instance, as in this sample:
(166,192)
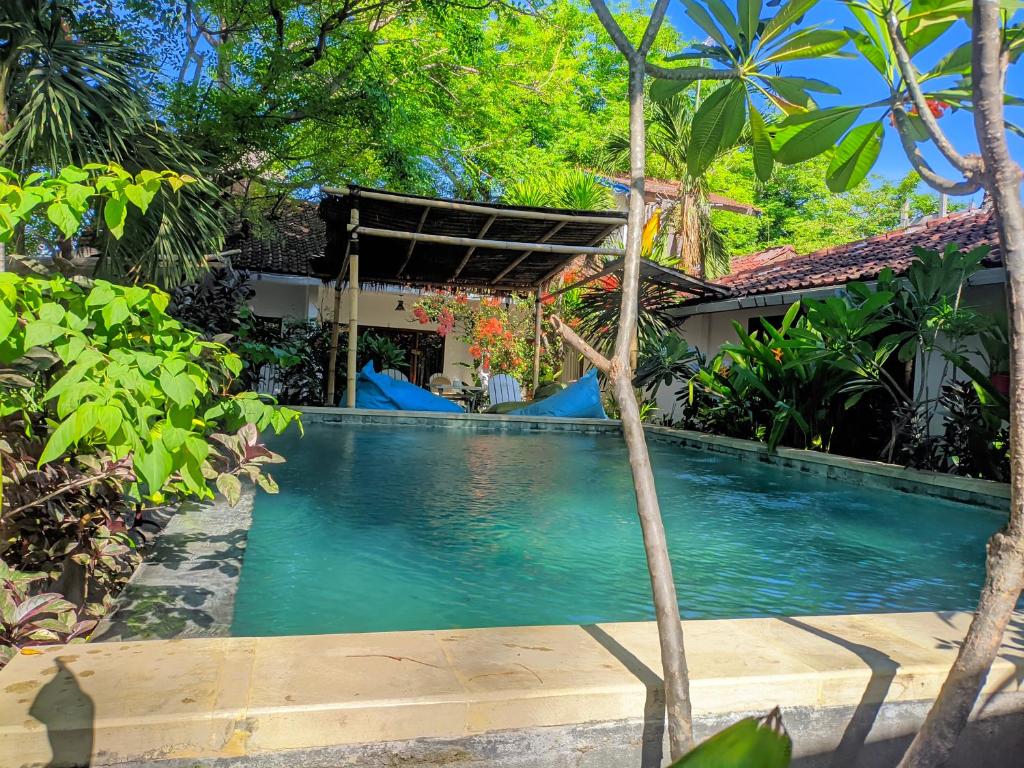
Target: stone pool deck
(849,686)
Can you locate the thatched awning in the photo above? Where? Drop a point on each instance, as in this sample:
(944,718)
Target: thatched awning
(437,243)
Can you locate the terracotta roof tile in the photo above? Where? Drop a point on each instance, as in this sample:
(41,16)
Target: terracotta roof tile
(779,268)
(292,239)
(655,188)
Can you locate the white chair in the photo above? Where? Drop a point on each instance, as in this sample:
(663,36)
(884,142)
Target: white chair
(502,388)
(394,374)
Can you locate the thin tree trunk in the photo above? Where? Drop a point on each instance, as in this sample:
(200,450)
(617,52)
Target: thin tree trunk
(620,376)
(1005,562)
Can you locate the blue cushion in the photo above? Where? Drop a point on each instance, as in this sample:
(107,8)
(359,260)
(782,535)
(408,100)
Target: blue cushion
(375,390)
(581,400)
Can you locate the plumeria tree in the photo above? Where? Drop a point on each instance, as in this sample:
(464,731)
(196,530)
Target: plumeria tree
(742,55)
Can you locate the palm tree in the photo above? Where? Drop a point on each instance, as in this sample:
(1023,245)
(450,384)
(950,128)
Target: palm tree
(70,99)
(697,247)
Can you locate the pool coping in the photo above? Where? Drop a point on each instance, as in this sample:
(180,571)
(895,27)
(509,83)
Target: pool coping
(202,701)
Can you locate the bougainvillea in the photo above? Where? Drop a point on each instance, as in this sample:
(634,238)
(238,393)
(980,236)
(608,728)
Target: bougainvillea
(498,331)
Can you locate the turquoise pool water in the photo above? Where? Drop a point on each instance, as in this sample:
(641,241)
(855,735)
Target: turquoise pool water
(383,528)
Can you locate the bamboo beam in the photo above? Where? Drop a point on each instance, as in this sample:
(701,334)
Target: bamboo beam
(353,324)
(538,318)
(581,217)
(551,275)
(472,248)
(412,243)
(508,245)
(547,236)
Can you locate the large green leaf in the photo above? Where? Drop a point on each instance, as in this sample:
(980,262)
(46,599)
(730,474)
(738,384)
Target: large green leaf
(749,12)
(816,136)
(663,90)
(703,20)
(808,44)
(761,145)
(854,157)
(717,124)
(724,17)
(784,19)
(956,62)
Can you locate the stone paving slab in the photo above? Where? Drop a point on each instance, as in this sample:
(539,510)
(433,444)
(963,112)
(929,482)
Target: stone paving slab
(221,698)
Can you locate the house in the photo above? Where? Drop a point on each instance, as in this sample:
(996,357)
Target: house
(282,260)
(766,284)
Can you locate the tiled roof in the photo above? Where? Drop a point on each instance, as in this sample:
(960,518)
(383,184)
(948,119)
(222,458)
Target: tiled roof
(780,269)
(660,188)
(287,244)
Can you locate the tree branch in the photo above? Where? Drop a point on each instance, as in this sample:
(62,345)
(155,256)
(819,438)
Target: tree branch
(599,361)
(690,74)
(614,30)
(938,182)
(965,165)
(657,16)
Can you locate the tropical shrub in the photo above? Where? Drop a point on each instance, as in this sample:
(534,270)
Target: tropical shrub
(838,374)
(108,407)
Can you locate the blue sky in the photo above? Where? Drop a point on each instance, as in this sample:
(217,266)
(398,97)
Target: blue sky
(861,83)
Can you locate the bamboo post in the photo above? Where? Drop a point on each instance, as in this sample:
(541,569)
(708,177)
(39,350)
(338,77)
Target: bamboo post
(332,358)
(538,318)
(353,321)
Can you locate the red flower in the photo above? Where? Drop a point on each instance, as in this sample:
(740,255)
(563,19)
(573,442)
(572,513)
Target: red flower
(420,314)
(938,108)
(547,298)
(492,327)
(609,282)
(461,299)
(475,351)
(570,276)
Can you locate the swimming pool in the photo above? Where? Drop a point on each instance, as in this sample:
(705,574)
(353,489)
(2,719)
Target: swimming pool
(381,528)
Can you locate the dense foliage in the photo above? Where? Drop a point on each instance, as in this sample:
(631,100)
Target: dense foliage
(850,374)
(108,406)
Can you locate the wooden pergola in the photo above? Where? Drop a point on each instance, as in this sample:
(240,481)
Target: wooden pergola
(376,237)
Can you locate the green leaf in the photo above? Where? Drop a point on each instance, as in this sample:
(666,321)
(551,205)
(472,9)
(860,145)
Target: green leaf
(817,136)
(761,145)
(154,466)
(40,333)
(68,432)
(703,20)
(115,313)
(140,196)
(63,217)
(854,157)
(724,17)
(230,486)
(784,19)
(179,387)
(809,44)
(662,89)
(716,125)
(115,212)
(750,743)
(749,12)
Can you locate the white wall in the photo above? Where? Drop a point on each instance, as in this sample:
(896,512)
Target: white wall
(276,298)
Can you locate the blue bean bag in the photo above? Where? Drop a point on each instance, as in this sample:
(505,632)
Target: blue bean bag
(377,391)
(581,400)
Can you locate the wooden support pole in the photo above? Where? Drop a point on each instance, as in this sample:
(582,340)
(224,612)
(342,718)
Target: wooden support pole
(538,318)
(332,358)
(353,322)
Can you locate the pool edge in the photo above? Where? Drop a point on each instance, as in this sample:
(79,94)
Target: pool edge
(202,701)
